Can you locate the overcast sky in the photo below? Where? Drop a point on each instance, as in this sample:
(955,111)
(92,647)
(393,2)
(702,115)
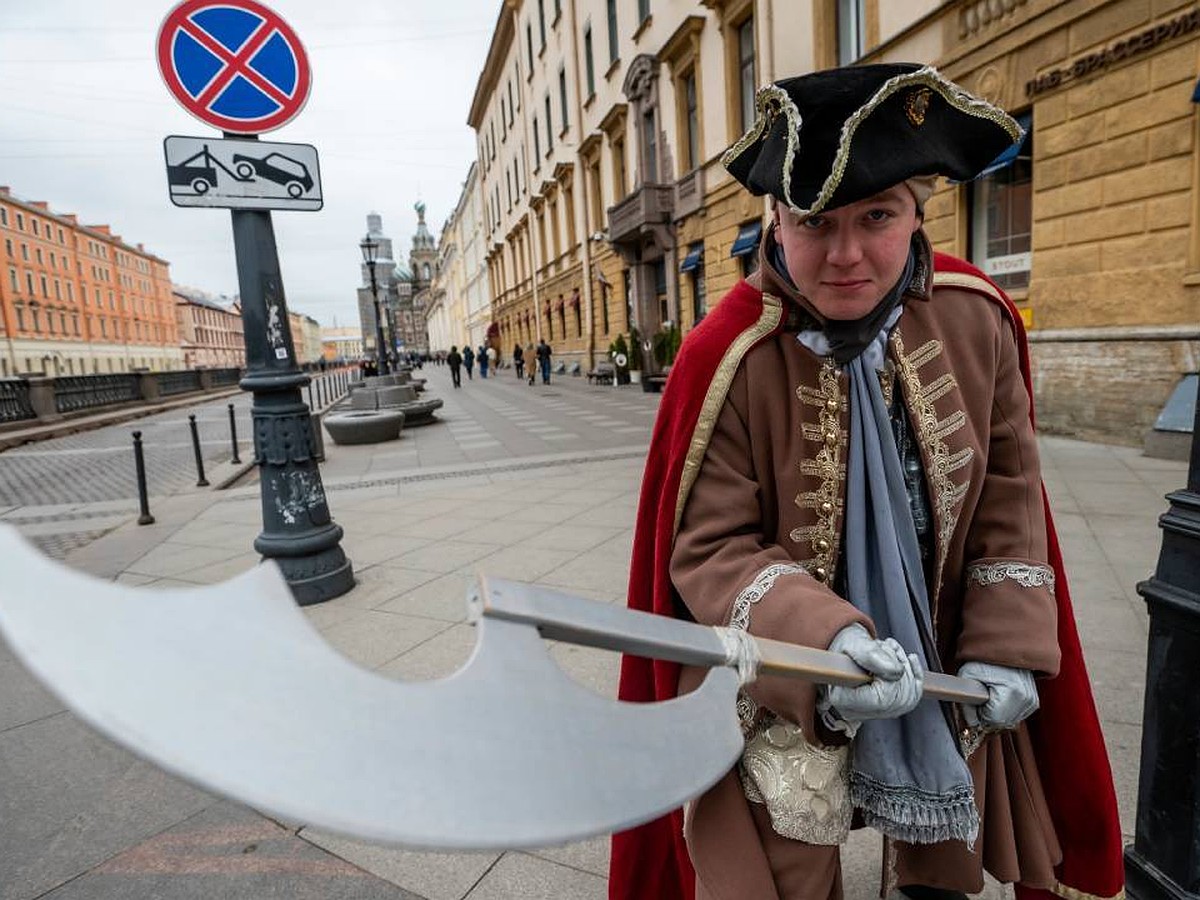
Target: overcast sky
(84,112)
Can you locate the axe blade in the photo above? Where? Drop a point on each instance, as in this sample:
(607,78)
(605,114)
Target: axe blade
(230,687)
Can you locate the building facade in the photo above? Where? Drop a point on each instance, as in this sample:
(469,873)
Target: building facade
(600,127)
(77,299)
(461,309)
(423,264)
(1094,227)
(341,345)
(210,332)
(392,290)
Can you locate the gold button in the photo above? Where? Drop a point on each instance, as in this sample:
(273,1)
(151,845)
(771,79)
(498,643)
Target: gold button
(832,404)
(826,507)
(819,573)
(821,544)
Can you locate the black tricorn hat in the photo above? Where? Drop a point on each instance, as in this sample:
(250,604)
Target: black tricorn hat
(834,137)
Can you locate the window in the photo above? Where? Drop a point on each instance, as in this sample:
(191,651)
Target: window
(690,123)
(557,9)
(25,252)
(8,247)
(36,227)
(13,281)
(503,120)
(643,10)
(618,160)
(746,79)
(542,23)
(745,246)
(537,145)
(605,289)
(3,216)
(588,65)
(850,36)
(1001,214)
(20,317)
(60,236)
(613,55)
(549,128)
(508,178)
(594,196)
(562,97)
(70,292)
(510,103)
(529,47)
(38,253)
(20,222)
(29,283)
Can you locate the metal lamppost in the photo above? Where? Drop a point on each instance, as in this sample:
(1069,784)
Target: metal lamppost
(1163,863)
(298,532)
(370,252)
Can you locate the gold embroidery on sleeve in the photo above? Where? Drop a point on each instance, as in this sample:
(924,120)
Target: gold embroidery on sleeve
(827,466)
(932,432)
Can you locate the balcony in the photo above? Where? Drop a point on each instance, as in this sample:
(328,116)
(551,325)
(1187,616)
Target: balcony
(689,193)
(649,204)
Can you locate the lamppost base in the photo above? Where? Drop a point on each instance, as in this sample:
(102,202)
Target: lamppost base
(314,565)
(1144,880)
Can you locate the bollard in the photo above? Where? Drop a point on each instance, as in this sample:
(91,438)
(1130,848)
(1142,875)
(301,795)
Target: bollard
(233,436)
(201,481)
(139,464)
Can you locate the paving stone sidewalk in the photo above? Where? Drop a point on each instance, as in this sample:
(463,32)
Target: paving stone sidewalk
(80,818)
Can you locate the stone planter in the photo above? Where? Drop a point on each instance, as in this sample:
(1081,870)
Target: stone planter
(364,426)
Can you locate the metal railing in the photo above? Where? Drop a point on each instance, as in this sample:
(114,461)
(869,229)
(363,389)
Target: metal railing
(224,377)
(14,401)
(178,382)
(75,392)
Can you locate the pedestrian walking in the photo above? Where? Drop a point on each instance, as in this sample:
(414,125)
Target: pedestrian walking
(845,459)
(468,357)
(543,358)
(454,360)
(482,356)
(518,358)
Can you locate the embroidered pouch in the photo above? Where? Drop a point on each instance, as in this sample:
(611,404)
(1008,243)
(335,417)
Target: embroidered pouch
(805,788)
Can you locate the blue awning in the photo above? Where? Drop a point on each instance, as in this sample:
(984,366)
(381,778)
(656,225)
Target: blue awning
(695,256)
(1009,156)
(747,239)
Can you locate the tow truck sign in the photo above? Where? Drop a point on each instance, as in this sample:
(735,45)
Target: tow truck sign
(242,174)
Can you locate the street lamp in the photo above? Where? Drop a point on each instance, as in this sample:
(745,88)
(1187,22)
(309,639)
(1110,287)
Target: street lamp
(1163,863)
(370,252)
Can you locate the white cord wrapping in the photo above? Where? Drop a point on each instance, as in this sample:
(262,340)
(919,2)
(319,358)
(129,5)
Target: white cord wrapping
(741,652)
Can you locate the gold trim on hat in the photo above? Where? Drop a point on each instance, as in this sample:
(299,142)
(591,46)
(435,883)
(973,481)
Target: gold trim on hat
(772,99)
(929,77)
(769,102)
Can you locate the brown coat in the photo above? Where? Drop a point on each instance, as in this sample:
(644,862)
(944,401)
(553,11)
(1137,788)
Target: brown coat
(771,490)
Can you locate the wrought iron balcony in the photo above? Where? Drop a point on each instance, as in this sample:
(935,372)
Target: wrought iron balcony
(649,204)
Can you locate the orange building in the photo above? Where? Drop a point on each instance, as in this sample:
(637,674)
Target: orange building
(77,300)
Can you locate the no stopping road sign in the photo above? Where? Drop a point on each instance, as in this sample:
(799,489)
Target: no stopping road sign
(233,64)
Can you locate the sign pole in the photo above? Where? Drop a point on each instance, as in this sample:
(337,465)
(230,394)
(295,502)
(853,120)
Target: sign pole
(298,532)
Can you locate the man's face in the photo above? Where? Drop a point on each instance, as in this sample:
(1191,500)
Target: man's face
(844,260)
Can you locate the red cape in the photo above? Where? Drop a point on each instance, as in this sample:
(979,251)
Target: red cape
(651,862)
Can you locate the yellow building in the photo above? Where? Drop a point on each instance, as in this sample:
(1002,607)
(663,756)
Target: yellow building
(601,125)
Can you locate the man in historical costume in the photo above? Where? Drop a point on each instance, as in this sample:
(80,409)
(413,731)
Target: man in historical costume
(845,459)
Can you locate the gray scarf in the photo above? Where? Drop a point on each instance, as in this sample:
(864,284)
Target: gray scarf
(908,776)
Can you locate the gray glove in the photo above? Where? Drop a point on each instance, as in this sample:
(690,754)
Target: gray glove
(1012,695)
(895,690)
